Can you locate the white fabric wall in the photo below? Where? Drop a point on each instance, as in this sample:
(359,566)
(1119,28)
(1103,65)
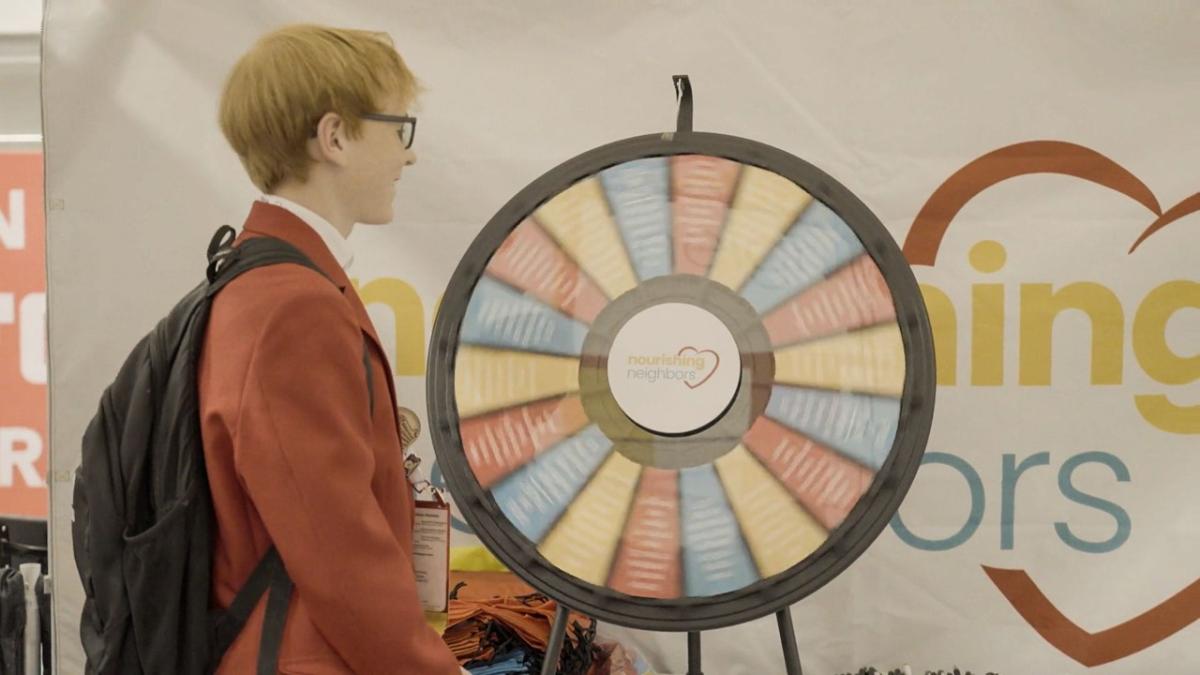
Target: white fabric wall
(889,98)
(21,17)
(20,115)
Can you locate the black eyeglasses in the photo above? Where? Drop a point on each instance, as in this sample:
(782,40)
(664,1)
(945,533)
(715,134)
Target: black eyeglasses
(408,125)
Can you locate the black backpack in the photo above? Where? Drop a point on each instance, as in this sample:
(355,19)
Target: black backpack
(143,526)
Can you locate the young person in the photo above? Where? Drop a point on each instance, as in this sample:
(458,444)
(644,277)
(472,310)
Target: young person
(298,457)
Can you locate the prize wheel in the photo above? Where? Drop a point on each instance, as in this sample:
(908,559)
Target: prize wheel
(681,381)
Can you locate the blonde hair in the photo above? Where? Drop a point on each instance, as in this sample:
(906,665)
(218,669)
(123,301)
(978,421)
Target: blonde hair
(290,78)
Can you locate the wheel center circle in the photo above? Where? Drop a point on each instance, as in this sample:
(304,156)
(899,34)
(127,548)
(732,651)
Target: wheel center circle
(674,368)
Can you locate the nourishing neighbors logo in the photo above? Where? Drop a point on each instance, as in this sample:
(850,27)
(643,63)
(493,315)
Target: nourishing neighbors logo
(1110,317)
(690,366)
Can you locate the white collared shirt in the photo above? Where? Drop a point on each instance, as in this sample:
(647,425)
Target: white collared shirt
(334,241)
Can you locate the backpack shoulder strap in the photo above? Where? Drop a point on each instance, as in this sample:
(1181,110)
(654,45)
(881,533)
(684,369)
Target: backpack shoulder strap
(227,262)
(268,574)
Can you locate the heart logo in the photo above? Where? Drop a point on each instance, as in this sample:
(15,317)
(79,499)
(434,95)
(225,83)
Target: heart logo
(700,352)
(921,247)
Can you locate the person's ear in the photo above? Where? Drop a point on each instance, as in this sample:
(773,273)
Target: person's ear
(329,143)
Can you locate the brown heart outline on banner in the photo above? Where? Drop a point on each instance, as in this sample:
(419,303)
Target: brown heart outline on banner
(921,245)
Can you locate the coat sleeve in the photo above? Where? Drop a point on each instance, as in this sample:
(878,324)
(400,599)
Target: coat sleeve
(303,451)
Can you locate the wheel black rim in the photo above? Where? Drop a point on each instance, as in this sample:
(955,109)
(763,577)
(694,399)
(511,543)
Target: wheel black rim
(783,377)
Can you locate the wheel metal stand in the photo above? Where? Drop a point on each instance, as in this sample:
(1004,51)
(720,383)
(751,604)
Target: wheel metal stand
(787,640)
(558,632)
(922,406)
(787,635)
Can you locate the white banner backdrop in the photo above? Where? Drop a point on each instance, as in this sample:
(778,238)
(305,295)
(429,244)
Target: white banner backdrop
(1052,528)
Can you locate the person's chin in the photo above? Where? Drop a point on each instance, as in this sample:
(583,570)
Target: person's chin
(381,217)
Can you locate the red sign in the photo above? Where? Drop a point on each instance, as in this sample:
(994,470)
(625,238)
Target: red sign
(24,452)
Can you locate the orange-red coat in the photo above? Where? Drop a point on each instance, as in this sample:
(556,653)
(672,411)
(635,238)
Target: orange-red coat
(297,460)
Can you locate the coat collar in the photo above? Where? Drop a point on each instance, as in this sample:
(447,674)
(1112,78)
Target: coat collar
(268,220)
